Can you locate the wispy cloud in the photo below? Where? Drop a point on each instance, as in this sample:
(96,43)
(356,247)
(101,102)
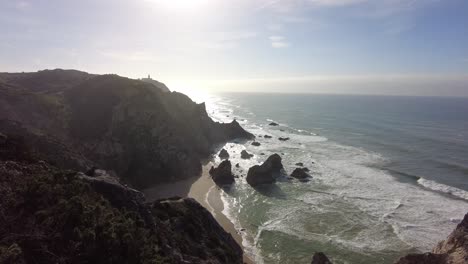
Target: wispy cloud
(278,42)
(224,40)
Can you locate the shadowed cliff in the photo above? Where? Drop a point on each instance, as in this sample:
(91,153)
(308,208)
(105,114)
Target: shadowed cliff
(132,127)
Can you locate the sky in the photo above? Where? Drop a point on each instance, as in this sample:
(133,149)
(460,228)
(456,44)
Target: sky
(398,47)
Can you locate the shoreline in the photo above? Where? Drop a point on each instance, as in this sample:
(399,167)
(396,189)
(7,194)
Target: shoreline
(204,191)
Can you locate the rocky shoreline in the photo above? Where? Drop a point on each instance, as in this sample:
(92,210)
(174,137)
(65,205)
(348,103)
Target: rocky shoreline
(75,148)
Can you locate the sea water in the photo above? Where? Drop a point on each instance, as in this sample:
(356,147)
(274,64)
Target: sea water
(390,174)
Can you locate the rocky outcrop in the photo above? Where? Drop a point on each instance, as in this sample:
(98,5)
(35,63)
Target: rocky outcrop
(222,175)
(283,138)
(255,143)
(300,164)
(246,155)
(453,250)
(223,154)
(300,173)
(265,173)
(268,136)
(128,126)
(273,124)
(320,258)
(50,215)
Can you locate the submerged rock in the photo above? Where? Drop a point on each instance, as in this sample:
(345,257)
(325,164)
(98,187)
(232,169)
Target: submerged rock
(246,155)
(268,136)
(320,258)
(255,143)
(223,154)
(283,138)
(300,173)
(265,173)
(222,175)
(273,124)
(300,164)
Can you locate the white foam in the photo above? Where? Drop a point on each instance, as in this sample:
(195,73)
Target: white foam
(439,187)
(346,181)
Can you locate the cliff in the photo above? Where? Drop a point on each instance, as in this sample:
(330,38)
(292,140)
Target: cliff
(78,121)
(50,215)
(453,250)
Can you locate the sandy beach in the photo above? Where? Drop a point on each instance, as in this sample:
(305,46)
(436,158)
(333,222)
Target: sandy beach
(205,191)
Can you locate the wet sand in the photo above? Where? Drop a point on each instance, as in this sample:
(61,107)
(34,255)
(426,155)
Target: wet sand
(205,192)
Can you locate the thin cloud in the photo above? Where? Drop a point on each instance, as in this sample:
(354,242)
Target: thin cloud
(278,42)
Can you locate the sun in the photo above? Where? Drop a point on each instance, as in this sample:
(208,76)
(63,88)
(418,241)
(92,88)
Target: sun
(182,4)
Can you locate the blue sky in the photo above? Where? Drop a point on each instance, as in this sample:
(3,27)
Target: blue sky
(414,47)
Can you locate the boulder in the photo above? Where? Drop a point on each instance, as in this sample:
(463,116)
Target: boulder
(255,143)
(283,138)
(265,173)
(222,175)
(237,165)
(223,154)
(300,164)
(268,136)
(300,173)
(273,124)
(320,258)
(246,155)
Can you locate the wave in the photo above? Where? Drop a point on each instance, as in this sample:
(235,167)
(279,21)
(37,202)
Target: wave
(439,187)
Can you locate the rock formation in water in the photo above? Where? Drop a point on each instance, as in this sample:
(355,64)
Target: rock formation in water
(300,173)
(273,124)
(283,138)
(51,215)
(453,250)
(265,173)
(320,258)
(78,121)
(268,136)
(222,175)
(246,155)
(223,154)
(255,143)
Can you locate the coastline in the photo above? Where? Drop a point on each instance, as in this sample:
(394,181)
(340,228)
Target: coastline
(204,191)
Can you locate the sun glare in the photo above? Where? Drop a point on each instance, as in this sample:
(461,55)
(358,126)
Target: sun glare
(182,4)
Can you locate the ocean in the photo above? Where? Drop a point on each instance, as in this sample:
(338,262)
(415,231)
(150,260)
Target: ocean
(390,174)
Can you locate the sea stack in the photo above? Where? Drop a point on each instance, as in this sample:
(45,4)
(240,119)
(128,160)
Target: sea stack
(246,155)
(265,173)
(222,175)
(223,154)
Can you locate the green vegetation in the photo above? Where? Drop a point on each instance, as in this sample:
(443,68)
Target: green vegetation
(51,216)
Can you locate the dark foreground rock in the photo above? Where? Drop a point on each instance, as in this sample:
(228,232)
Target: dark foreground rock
(453,250)
(222,175)
(300,173)
(320,258)
(50,215)
(223,154)
(246,155)
(77,120)
(265,173)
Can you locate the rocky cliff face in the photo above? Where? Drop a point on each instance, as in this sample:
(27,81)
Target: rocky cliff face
(453,250)
(145,135)
(50,215)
